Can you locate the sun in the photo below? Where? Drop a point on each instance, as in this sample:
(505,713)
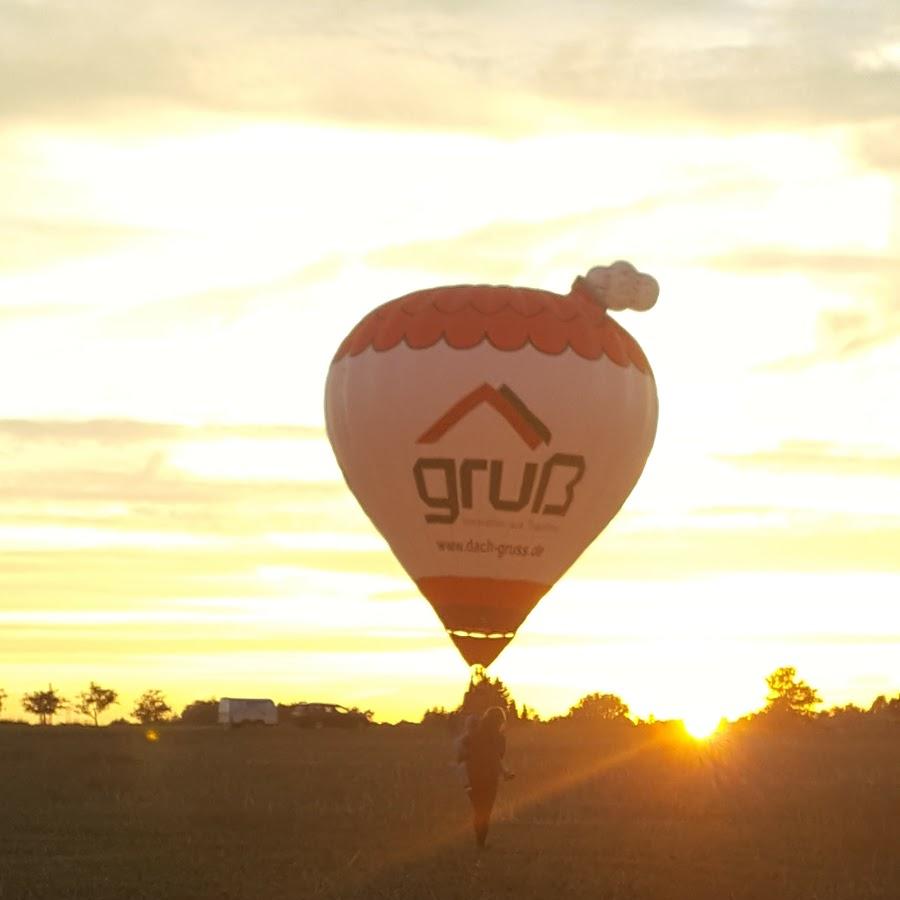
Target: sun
(702,724)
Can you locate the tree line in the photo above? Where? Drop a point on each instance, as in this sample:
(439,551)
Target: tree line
(788,696)
(92,703)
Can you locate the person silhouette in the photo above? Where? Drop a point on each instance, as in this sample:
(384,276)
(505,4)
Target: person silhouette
(482,749)
(470,726)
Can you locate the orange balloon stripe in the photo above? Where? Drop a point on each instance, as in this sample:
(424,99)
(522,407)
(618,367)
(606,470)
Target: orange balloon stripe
(464,316)
(478,604)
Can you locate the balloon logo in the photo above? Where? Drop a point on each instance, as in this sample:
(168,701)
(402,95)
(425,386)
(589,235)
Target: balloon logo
(491,433)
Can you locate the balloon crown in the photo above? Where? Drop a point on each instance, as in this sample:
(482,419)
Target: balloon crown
(508,318)
(619,286)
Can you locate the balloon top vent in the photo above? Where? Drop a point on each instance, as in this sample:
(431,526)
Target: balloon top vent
(619,286)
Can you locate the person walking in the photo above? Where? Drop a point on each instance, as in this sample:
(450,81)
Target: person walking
(470,726)
(482,750)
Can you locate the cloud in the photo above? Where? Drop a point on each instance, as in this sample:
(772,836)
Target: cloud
(774,259)
(811,543)
(392,65)
(870,319)
(780,67)
(494,66)
(14,313)
(125,431)
(103,478)
(853,331)
(91,576)
(147,484)
(821,457)
(65,643)
(493,252)
(225,305)
(879,147)
(87,56)
(502,250)
(31,242)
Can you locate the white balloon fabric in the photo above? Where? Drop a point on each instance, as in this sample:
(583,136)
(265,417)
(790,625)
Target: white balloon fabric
(620,286)
(491,433)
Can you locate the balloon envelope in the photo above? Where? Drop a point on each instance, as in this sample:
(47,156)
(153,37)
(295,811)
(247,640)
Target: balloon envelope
(490,433)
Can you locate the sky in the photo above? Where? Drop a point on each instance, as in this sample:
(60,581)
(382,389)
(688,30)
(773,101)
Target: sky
(198,201)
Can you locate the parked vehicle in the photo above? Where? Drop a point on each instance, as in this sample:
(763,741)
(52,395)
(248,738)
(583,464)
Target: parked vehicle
(327,715)
(236,711)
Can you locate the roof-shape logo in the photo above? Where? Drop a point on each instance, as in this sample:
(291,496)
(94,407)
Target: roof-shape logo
(505,401)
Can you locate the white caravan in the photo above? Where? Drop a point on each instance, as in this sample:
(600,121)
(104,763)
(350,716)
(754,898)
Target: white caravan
(235,711)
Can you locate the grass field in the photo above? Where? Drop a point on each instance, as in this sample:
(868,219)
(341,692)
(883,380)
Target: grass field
(281,813)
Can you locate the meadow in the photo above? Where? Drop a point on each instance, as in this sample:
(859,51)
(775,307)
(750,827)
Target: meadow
(616,812)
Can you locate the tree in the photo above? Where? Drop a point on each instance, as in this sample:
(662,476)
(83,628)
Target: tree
(44,704)
(882,706)
(788,695)
(438,715)
(151,707)
(847,714)
(3,696)
(484,692)
(201,712)
(95,700)
(366,714)
(599,708)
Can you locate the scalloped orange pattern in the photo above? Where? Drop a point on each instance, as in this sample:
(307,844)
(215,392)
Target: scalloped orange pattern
(465,316)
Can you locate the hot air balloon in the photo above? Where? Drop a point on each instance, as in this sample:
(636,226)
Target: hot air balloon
(491,433)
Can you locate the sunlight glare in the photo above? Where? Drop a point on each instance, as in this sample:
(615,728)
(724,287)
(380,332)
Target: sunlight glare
(701,724)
